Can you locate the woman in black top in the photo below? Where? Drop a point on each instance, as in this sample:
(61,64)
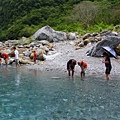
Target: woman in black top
(107,65)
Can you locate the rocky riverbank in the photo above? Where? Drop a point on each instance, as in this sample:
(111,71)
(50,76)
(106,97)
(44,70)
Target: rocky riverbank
(65,50)
(55,48)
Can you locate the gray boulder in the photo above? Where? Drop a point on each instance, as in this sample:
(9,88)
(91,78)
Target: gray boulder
(27,53)
(11,42)
(40,55)
(72,36)
(111,41)
(47,33)
(108,33)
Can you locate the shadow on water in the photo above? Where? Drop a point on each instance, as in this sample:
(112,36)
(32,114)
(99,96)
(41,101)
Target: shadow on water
(35,95)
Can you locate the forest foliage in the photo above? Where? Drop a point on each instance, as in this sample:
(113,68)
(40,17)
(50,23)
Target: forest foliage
(24,17)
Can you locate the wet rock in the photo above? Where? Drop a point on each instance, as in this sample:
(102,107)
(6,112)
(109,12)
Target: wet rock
(111,41)
(27,53)
(117,49)
(86,41)
(87,35)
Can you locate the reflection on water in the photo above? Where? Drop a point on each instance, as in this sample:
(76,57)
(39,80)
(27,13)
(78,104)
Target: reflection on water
(17,78)
(34,95)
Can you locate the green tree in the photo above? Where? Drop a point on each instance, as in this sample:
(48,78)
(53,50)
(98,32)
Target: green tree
(85,13)
(23,17)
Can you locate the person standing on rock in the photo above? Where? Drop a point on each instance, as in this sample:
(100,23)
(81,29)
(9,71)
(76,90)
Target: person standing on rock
(5,56)
(0,61)
(70,66)
(16,57)
(83,65)
(34,56)
(107,65)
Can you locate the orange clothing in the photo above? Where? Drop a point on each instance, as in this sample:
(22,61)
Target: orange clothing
(84,64)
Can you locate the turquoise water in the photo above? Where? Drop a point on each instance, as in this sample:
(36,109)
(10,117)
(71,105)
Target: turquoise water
(35,95)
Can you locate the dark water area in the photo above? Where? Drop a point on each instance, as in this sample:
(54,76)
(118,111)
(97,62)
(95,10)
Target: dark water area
(35,95)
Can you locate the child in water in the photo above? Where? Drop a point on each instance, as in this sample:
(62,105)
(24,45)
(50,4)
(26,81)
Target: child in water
(83,65)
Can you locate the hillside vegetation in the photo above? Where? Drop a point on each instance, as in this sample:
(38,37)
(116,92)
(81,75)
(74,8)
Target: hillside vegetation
(24,17)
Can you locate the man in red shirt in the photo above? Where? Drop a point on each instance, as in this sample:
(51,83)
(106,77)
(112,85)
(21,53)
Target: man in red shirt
(6,57)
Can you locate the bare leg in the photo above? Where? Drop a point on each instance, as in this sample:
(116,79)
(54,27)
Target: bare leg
(18,64)
(81,75)
(68,72)
(6,64)
(107,77)
(72,73)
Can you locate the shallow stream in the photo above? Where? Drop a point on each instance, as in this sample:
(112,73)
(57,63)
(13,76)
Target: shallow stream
(35,95)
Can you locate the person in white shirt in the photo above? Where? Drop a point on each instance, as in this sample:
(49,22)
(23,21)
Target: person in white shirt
(16,57)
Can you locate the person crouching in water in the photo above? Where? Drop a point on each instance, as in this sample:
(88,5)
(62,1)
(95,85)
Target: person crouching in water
(5,56)
(107,65)
(83,65)
(71,66)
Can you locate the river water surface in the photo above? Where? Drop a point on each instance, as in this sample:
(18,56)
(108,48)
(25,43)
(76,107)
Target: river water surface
(35,95)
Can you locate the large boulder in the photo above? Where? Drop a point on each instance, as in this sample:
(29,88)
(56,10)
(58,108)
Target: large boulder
(111,41)
(27,52)
(24,61)
(71,36)
(117,49)
(40,56)
(47,33)
(108,33)
(11,43)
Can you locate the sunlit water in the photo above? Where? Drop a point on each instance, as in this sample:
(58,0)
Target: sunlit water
(35,95)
